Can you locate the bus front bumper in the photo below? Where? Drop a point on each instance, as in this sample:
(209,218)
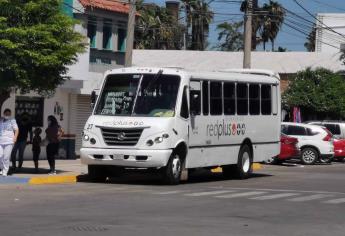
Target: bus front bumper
(125,157)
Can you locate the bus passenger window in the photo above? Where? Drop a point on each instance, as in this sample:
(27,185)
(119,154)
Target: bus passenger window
(216,98)
(242,99)
(229,98)
(266,100)
(254,99)
(205,97)
(195,98)
(184,106)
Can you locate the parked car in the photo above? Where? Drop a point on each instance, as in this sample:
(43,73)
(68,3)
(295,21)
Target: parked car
(337,128)
(288,150)
(339,149)
(315,142)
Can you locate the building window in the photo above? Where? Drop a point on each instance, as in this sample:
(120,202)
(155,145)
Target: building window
(229,98)
(92,31)
(254,99)
(107,34)
(216,98)
(242,99)
(33,107)
(121,40)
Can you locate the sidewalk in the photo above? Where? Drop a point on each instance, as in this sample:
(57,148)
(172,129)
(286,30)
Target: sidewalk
(67,172)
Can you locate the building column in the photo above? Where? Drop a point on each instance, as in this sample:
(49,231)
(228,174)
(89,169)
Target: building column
(99,34)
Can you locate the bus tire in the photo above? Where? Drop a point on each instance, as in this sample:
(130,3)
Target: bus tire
(244,167)
(97,173)
(171,173)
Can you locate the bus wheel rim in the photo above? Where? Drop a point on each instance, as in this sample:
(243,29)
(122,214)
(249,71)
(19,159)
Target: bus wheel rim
(245,162)
(176,166)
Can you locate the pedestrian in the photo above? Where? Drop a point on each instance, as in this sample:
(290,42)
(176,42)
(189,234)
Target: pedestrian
(36,147)
(53,135)
(25,128)
(8,136)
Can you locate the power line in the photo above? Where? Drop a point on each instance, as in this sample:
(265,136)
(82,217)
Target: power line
(330,29)
(329,5)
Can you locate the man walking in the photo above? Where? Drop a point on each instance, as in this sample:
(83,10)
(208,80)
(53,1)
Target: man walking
(25,128)
(8,137)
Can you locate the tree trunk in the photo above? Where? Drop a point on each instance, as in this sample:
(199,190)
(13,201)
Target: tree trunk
(272,45)
(4,95)
(264,46)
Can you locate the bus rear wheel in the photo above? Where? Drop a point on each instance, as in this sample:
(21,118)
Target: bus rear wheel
(244,167)
(97,173)
(171,173)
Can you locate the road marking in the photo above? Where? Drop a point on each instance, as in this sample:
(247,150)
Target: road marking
(336,201)
(277,190)
(246,194)
(209,193)
(275,196)
(169,192)
(309,198)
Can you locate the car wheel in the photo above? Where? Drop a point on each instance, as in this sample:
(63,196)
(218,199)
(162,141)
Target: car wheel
(172,172)
(97,174)
(309,156)
(244,167)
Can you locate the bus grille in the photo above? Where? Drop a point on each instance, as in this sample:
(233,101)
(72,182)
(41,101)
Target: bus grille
(121,137)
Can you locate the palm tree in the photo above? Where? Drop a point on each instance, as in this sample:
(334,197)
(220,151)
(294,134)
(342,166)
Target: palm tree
(198,18)
(271,22)
(231,35)
(310,44)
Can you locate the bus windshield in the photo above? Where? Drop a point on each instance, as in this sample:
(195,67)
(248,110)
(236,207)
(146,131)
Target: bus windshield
(152,95)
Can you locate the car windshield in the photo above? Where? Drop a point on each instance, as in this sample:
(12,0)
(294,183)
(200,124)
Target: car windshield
(152,95)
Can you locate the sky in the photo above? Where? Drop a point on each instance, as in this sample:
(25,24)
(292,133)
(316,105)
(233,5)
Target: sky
(291,39)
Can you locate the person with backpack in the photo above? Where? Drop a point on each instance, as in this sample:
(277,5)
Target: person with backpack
(8,137)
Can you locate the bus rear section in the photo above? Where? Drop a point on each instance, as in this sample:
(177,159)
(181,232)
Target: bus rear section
(172,120)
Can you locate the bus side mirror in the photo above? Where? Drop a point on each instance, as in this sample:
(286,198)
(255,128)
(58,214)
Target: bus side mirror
(93,99)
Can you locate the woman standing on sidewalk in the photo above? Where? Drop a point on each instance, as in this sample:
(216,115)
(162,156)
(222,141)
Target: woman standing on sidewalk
(8,137)
(53,136)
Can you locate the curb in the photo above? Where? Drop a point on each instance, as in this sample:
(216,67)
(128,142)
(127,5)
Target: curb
(39,180)
(256,166)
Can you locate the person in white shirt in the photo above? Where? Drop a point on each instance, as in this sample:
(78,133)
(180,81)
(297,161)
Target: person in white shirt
(8,136)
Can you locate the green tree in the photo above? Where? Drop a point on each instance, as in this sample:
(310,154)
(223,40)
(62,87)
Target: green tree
(230,36)
(271,22)
(199,16)
(37,44)
(157,28)
(311,38)
(319,90)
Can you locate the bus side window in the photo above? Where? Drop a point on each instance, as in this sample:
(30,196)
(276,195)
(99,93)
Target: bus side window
(195,98)
(229,98)
(266,99)
(216,98)
(184,106)
(254,99)
(205,97)
(242,99)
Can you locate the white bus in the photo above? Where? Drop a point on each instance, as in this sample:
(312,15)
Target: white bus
(174,120)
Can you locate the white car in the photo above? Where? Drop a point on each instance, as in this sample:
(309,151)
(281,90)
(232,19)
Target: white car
(337,128)
(315,142)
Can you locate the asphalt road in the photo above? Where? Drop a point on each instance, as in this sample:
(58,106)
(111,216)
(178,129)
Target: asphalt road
(278,200)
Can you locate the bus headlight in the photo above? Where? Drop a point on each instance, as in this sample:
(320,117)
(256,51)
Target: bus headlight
(158,139)
(149,142)
(86,137)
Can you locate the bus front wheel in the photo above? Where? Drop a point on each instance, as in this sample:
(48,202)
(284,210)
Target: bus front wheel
(244,167)
(171,173)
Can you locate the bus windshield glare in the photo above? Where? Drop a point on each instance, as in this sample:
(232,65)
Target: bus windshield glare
(151,95)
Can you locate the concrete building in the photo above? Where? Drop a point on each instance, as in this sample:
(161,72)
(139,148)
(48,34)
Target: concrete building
(330,33)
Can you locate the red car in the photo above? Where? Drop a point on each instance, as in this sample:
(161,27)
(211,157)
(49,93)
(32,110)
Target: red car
(339,148)
(288,149)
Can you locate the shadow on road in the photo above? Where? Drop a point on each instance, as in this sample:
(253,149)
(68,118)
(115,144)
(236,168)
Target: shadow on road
(142,177)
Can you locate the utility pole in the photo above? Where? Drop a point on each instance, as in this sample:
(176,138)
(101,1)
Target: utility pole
(130,33)
(248,17)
